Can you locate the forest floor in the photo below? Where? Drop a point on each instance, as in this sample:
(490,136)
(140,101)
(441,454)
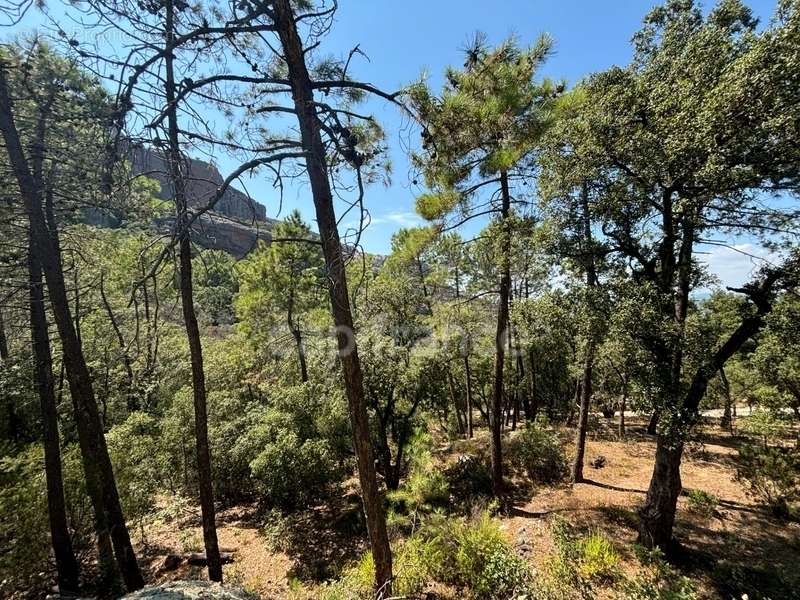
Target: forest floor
(740,546)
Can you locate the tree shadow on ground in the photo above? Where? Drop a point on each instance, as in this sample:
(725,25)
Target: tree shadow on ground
(323,539)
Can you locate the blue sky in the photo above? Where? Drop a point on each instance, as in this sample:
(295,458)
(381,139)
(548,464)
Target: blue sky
(404,38)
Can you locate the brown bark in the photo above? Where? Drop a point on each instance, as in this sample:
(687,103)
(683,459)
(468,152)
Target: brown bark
(93,446)
(496,411)
(727,420)
(586,379)
(658,512)
(309,124)
(576,474)
(468,385)
(204,478)
(66,564)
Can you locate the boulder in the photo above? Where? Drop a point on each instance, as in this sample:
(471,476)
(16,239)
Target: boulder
(188,590)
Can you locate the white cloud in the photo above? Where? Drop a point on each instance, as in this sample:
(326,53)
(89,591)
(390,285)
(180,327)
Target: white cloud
(399,218)
(735,264)
(395,220)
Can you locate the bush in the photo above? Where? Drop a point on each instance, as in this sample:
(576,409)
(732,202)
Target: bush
(538,452)
(425,488)
(25,559)
(598,559)
(580,560)
(771,474)
(285,449)
(476,556)
(289,471)
(469,477)
(414,562)
(472,555)
(702,503)
(659,580)
(138,467)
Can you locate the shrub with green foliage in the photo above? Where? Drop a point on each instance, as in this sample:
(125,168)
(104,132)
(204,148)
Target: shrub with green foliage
(470,554)
(25,558)
(469,478)
(289,470)
(702,503)
(771,474)
(765,425)
(138,464)
(538,452)
(425,488)
(414,561)
(581,560)
(659,581)
(476,556)
(284,449)
(294,445)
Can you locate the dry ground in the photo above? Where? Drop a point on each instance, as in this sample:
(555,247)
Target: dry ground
(739,548)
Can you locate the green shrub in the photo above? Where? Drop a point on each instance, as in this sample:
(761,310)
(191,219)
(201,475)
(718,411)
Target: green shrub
(765,425)
(289,471)
(771,474)
(25,562)
(659,580)
(702,503)
(598,559)
(580,560)
(134,449)
(538,452)
(283,450)
(469,477)
(476,556)
(413,564)
(472,555)
(23,521)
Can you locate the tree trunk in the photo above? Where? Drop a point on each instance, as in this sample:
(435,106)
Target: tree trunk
(586,380)
(496,412)
(308,121)
(652,425)
(6,402)
(622,406)
(3,340)
(468,385)
(454,397)
(576,475)
(301,353)
(66,563)
(534,400)
(727,419)
(94,450)
(658,513)
(204,477)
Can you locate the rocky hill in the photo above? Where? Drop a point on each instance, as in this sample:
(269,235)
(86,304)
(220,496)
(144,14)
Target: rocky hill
(202,181)
(237,221)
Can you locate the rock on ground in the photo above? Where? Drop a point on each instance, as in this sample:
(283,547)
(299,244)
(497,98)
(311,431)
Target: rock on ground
(187,590)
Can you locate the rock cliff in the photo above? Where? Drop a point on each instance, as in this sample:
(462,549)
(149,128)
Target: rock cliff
(202,181)
(237,221)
